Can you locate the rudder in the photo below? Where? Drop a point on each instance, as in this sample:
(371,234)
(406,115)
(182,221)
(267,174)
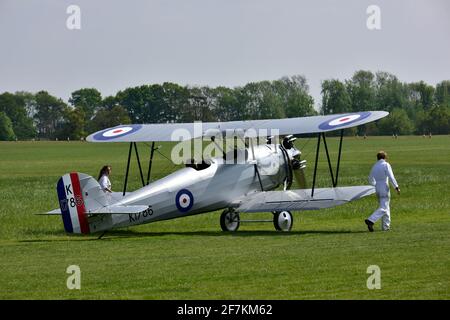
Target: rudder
(72,203)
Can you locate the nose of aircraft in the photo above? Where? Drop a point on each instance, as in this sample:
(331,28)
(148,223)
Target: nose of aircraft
(297,165)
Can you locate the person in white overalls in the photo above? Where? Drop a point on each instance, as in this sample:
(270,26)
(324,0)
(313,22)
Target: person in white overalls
(380,175)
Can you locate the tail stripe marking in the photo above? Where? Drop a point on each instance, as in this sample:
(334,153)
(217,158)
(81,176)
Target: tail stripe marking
(68,188)
(84,225)
(71,201)
(64,206)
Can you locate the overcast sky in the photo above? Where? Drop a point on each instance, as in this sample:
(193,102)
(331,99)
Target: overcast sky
(216,42)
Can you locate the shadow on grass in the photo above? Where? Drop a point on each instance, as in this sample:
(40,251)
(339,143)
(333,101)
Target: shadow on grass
(119,234)
(253,233)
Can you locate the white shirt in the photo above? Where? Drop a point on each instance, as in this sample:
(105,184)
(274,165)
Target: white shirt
(104,182)
(380,175)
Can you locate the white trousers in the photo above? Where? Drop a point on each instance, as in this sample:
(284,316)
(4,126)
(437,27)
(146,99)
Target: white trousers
(383,212)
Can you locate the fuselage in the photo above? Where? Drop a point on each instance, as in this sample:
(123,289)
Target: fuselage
(214,186)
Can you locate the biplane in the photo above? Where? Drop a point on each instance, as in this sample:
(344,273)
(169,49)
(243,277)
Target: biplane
(259,182)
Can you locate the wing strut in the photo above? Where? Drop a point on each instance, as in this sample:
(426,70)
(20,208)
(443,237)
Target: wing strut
(339,158)
(256,165)
(128,169)
(152,151)
(315,165)
(128,166)
(139,164)
(328,158)
(334,180)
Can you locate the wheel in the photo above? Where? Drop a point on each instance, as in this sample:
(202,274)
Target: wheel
(229,220)
(283,220)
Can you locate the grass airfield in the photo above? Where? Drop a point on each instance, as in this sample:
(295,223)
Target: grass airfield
(325,256)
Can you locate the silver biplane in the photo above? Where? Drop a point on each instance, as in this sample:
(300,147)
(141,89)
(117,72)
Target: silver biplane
(215,183)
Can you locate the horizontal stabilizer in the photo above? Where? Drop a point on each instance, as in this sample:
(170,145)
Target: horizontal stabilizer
(50,213)
(298,200)
(105,210)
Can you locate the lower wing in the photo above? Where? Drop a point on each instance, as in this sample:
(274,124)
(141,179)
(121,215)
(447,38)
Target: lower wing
(297,200)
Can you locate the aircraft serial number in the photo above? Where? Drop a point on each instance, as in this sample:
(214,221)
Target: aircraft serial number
(133,217)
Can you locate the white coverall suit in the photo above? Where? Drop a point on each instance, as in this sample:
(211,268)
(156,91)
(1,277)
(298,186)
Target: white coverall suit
(379,175)
(104,182)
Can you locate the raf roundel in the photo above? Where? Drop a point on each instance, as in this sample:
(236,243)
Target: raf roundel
(117,132)
(343,120)
(184,200)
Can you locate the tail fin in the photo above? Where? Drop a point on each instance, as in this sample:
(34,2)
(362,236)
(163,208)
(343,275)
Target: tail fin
(78,195)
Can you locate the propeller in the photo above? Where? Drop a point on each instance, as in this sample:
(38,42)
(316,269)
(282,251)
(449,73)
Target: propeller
(297,165)
(298,170)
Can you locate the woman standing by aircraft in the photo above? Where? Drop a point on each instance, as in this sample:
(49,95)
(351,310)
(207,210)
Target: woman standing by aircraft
(103,178)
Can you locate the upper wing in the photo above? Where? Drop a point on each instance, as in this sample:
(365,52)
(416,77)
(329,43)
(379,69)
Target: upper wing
(187,131)
(297,200)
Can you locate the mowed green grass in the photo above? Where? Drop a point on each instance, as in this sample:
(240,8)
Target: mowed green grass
(326,255)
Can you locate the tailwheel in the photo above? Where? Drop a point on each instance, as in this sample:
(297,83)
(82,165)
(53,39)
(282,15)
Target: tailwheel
(282,220)
(229,220)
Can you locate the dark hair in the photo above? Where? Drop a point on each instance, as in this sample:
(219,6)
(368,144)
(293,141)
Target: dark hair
(103,171)
(381,155)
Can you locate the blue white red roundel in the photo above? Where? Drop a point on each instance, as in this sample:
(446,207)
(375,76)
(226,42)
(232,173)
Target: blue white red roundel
(117,132)
(343,120)
(184,200)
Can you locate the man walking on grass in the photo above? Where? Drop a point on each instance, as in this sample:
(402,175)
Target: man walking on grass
(380,175)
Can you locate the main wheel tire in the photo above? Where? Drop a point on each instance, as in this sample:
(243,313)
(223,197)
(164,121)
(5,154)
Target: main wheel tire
(229,220)
(283,221)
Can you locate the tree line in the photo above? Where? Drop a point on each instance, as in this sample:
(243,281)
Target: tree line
(416,108)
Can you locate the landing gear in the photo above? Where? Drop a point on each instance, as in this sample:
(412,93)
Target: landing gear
(283,221)
(229,220)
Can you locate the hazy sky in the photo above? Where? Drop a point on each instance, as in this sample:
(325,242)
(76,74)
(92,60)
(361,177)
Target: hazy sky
(216,42)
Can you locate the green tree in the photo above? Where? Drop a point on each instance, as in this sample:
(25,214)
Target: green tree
(436,121)
(390,92)
(200,105)
(422,122)
(50,112)
(422,95)
(13,105)
(259,101)
(87,99)
(6,128)
(361,88)
(155,103)
(133,100)
(439,120)
(175,101)
(109,102)
(72,126)
(335,98)
(293,92)
(249,99)
(227,107)
(105,118)
(442,93)
(270,102)
(170,103)
(397,122)
(286,97)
